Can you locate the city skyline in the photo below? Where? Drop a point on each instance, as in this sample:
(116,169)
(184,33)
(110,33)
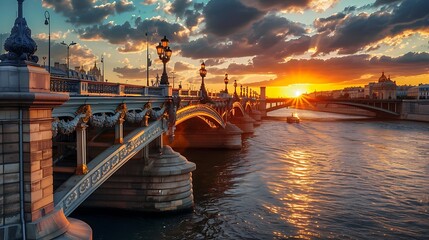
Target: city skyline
(306,45)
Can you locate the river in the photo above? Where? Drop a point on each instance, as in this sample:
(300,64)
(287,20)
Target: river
(331,176)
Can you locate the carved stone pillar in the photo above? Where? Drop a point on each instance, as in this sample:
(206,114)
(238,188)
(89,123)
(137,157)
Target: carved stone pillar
(119,131)
(81,149)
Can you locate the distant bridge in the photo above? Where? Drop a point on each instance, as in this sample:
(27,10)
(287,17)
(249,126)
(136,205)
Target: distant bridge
(382,108)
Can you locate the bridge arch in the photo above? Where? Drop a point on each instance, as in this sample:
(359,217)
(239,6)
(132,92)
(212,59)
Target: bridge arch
(202,111)
(248,107)
(237,109)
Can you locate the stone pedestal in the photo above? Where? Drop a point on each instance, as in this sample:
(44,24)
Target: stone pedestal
(228,138)
(163,183)
(26,183)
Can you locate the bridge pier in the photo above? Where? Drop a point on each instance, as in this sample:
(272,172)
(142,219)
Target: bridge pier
(257,116)
(245,123)
(26,179)
(160,183)
(190,137)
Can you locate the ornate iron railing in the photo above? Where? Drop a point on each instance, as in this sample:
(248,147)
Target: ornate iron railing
(83,87)
(78,187)
(65,85)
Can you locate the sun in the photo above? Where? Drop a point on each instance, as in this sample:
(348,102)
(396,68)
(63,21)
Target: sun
(298,93)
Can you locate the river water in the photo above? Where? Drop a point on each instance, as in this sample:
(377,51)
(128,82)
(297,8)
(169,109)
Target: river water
(331,176)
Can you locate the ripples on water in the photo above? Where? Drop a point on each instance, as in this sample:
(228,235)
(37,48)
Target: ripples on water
(323,178)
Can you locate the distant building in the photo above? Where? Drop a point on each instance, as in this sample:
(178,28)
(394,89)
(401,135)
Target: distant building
(419,92)
(337,94)
(402,91)
(385,88)
(353,92)
(60,70)
(368,90)
(96,72)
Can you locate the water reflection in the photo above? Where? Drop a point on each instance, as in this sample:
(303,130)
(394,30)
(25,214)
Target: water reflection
(337,179)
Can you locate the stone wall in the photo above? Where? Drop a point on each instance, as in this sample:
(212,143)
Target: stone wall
(9,172)
(415,110)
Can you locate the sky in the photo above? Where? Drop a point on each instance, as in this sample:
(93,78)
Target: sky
(288,46)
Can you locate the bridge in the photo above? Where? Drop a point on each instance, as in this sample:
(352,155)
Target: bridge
(68,143)
(380,108)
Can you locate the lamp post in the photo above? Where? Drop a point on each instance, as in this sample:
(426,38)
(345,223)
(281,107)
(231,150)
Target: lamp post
(148,60)
(164,52)
(204,96)
(102,65)
(173,72)
(226,80)
(203,73)
(68,54)
(48,22)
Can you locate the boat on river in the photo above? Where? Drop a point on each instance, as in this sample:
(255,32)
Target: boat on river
(293,118)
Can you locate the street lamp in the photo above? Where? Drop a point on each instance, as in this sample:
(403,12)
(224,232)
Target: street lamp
(173,72)
(102,65)
(226,82)
(164,52)
(48,22)
(204,96)
(68,54)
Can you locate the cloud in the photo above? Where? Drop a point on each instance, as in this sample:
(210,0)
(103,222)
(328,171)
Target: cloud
(85,12)
(80,55)
(224,17)
(349,34)
(131,38)
(148,2)
(268,33)
(385,2)
(178,7)
(291,5)
(339,70)
(183,66)
(128,72)
(214,62)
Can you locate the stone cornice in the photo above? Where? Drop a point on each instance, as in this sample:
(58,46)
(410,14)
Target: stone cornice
(33,99)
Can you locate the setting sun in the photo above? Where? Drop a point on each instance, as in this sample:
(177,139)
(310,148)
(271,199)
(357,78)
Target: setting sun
(298,93)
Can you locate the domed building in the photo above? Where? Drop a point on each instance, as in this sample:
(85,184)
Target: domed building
(385,88)
(96,72)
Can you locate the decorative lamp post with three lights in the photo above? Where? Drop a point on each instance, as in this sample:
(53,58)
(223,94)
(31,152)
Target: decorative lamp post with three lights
(164,52)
